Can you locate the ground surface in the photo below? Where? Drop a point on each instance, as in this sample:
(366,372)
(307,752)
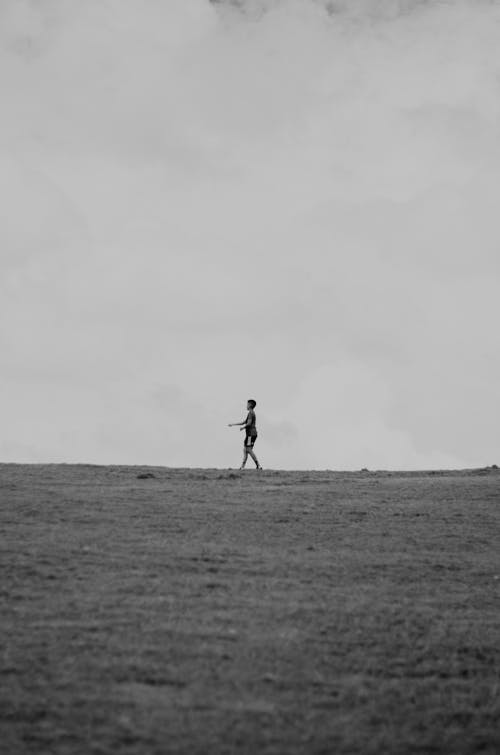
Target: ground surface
(212,612)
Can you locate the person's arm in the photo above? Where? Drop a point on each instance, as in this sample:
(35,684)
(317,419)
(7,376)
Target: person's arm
(237,424)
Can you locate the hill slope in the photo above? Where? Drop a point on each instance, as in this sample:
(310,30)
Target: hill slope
(208,611)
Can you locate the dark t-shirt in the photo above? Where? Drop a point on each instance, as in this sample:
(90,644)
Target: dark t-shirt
(250,424)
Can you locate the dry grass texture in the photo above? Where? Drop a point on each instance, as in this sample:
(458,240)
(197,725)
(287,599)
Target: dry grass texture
(211,612)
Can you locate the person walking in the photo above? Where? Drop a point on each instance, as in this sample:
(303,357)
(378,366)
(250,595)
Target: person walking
(249,425)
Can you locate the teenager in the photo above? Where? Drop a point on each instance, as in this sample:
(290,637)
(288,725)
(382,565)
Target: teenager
(249,425)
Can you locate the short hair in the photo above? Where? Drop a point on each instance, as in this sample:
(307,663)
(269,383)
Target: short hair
(252,403)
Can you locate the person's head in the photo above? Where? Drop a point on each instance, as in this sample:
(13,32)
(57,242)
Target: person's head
(251,404)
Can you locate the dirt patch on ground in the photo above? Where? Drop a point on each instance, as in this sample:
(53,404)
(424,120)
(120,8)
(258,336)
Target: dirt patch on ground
(200,612)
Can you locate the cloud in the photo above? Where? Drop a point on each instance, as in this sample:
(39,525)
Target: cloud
(288,199)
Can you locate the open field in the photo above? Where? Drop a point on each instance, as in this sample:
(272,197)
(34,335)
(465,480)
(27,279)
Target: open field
(206,612)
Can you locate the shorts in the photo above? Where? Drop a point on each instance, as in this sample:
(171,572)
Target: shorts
(250,441)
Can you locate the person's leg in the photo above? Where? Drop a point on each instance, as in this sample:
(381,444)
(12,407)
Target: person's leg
(251,453)
(250,444)
(245,456)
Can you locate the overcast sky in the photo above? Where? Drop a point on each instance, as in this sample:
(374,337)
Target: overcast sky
(293,201)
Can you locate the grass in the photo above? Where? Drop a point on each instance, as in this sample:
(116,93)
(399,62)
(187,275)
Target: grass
(211,612)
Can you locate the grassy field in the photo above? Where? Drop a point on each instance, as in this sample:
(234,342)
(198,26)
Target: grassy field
(211,612)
